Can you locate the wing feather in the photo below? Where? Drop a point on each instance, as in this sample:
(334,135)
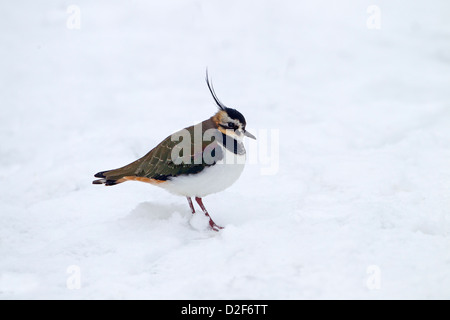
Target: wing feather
(159,165)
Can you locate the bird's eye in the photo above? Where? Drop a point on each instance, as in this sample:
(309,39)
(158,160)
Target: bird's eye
(231,125)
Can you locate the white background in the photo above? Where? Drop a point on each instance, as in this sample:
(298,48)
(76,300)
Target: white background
(359,206)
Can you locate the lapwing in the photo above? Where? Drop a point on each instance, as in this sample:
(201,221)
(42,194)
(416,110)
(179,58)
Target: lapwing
(194,162)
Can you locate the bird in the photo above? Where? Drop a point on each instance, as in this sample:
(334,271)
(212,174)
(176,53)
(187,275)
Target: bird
(194,162)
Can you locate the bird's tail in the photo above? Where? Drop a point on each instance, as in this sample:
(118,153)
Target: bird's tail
(116,176)
(107,178)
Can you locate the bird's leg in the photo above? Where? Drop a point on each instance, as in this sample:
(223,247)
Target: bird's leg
(213,225)
(190,204)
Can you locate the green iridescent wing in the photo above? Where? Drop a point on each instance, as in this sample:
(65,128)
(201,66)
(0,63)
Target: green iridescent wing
(181,153)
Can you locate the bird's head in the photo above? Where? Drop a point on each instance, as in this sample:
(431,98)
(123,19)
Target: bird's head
(228,121)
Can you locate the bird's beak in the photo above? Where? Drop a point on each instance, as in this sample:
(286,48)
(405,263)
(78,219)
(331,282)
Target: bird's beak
(248,134)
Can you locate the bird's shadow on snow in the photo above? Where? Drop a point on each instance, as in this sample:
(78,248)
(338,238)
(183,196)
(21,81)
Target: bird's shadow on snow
(151,211)
(174,216)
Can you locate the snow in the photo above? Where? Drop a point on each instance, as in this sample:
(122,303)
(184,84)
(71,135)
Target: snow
(353,202)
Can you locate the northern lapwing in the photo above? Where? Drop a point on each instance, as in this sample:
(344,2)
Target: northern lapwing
(194,162)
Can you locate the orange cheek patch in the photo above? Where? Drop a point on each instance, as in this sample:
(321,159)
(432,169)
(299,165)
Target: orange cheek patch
(222,130)
(230,132)
(218,117)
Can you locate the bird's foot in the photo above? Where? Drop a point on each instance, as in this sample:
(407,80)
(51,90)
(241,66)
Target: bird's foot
(214,226)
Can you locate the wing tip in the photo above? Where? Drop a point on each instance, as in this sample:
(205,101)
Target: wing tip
(107,182)
(100,174)
(99,181)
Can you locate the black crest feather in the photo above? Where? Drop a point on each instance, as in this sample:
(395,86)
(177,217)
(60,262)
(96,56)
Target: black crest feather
(213,93)
(232,113)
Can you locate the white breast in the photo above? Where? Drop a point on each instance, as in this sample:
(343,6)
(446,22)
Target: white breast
(210,180)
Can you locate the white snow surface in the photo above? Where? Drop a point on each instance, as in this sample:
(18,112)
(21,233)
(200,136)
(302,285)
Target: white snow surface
(359,207)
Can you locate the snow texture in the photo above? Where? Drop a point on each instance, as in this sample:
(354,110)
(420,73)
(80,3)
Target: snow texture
(358,206)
